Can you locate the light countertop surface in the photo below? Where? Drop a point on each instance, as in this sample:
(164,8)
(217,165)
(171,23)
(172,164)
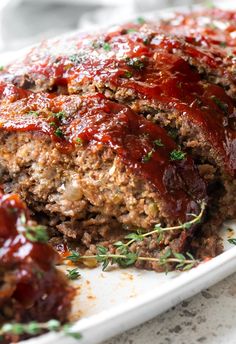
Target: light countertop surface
(208,318)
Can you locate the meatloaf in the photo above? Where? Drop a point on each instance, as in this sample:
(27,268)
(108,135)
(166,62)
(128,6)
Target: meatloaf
(164,77)
(94,166)
(112,131)
(30,285)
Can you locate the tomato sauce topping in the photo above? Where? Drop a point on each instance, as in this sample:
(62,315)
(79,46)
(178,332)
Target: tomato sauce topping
(138,59)
(146,148)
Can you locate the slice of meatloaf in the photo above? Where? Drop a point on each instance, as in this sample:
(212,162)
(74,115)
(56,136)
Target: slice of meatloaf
(94,166)
(160,76)
(213,32)
(205,39)
(31,288)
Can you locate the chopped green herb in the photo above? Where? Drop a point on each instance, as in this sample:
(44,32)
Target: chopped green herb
(158,143)
(147,40)
(107,47)
(220,104)
(1,68)
(231,56)
(36,233)
(58,132)
(52,124)
(135,63)
(79,140)
(33,113)
(223,44)
(177,155)
(131,30)
(75,58)
(128,74)
(232,241)
(59,115)
(73,274)
(147,157)
(141,20)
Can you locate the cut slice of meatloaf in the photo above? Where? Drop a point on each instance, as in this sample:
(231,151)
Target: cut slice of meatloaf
(94,166)
(205,39)
(160,76)
(213,33)
(82,62)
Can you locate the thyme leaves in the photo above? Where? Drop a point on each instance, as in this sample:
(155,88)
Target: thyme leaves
(35,328)
(232,241)
(36,234)
(124,257)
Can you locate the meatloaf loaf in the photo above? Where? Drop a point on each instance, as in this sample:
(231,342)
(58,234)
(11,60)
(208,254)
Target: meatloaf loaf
(94,166)
(180,83)
(110,131)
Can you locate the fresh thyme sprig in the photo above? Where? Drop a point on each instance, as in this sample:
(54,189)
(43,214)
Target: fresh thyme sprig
(232,241)
(35,328)
(159,230)
(126,258)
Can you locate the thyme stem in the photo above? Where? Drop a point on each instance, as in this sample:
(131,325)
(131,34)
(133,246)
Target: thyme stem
(159,229)
(122,256)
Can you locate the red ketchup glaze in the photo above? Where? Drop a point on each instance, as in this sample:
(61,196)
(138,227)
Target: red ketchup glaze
(98,121)
(163,77)
(31,262)
(170,81)
(10,93)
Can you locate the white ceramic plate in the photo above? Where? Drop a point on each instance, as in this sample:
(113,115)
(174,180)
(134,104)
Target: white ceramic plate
(111,302)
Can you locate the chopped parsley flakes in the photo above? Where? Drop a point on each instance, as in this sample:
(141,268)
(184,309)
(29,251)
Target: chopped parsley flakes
(33,113)
(128,74)
(147,157)
(223,44)
(131,30)
(177,155)
(220,104)
(107,47)
(75,58)
(58,132)
(158,143)
(59,115)
(135,63)
(79,140)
